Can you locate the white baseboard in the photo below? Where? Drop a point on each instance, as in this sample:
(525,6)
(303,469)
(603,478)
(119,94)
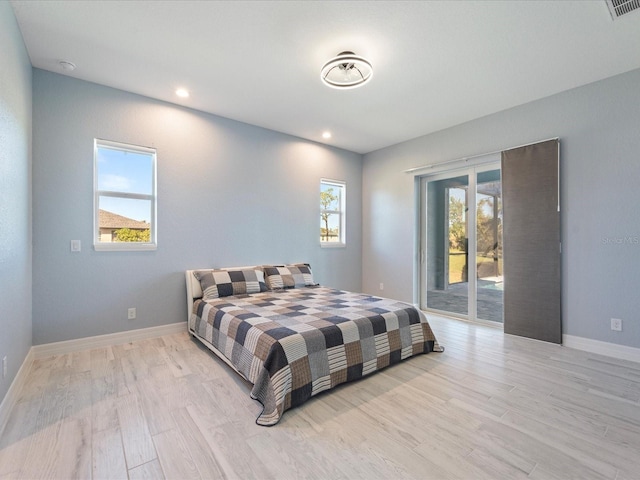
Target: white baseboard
(11,398)
(108,340)
(603,348)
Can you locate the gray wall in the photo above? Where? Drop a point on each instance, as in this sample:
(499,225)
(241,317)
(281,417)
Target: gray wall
(228,194)
(598,126)
(15,197)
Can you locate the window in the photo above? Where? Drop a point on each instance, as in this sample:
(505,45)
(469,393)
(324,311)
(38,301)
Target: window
(332,213)
(124,196)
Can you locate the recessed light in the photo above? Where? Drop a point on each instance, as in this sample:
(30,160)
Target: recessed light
(68,66)
(326,134)
(181,92)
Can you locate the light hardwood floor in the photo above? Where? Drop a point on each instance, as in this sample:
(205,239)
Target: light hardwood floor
(490,406)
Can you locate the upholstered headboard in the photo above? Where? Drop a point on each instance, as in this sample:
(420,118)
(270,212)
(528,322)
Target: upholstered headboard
(193,291)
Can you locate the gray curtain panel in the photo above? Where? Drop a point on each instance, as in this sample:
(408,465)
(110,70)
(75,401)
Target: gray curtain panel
(532,287)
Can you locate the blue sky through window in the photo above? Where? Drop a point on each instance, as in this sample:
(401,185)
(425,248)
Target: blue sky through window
(127,172)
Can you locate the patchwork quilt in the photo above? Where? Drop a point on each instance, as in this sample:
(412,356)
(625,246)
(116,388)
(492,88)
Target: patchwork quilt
(292,344)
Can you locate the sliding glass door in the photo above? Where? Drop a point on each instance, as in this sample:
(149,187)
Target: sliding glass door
(461,243)
(488,258)
(447,246)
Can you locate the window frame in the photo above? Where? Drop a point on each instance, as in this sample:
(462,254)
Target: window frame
(342,185)
(152,244)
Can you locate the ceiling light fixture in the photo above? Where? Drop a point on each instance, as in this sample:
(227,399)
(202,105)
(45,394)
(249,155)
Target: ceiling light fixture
(181,92)
(326,134)
(346,70)
(68,66)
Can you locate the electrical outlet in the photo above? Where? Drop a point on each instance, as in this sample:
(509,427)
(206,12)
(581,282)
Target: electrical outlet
(131,313)
(616,324)
(4,366)
(382,286)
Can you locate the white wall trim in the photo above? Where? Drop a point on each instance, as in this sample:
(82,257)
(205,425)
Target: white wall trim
(603,348)
(11,398)
(68,346)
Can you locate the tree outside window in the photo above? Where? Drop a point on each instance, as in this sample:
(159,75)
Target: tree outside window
(332,213)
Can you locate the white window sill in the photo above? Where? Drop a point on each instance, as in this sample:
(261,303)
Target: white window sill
(124,247)
(332,245)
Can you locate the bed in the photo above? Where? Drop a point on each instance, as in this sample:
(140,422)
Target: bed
(292,339)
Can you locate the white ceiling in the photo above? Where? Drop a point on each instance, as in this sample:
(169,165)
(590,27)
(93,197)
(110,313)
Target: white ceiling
(436,63)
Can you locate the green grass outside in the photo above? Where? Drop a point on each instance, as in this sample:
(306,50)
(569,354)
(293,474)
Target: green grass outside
(456,266)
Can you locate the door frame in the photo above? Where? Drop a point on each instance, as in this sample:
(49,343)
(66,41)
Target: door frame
(470,168)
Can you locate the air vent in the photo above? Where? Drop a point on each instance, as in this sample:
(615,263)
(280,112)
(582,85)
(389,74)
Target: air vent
(619,8)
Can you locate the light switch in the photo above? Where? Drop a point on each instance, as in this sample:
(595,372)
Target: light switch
(76,246)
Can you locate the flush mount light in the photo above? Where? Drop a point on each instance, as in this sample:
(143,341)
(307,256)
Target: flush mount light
(68,66)
(181,92)
(346,70)
(326,134)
